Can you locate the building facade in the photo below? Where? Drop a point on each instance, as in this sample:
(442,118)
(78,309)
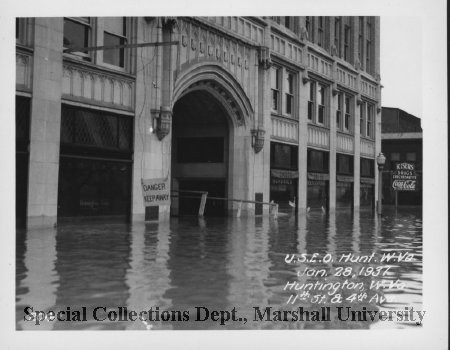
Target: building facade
(253,108)
(401,141)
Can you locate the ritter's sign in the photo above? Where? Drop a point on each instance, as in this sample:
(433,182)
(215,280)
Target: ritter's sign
(404,177)
(156,192)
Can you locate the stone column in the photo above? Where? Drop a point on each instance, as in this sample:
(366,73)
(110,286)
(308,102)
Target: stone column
(303,142)
(45,122)
(357,150)
(332,120)
(264,121)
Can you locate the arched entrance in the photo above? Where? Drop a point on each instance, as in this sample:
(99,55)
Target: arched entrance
(201,139)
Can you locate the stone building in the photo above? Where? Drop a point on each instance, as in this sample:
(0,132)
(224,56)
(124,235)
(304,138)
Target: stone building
(254,108)
(401,141)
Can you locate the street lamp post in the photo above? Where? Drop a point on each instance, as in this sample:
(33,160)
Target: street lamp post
(381,159)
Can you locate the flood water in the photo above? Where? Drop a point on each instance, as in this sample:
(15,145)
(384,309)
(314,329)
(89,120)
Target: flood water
(191,264)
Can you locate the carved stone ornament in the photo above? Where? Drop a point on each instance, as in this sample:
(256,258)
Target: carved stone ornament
(258,139)
(303,34)
(169,23)
(357,64)
(264,57)
(164,122)
(333,50)
(305,78)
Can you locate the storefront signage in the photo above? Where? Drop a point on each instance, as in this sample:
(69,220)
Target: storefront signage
(404,177)
(156,192)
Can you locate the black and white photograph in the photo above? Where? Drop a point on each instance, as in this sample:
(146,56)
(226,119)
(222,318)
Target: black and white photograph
(203,177)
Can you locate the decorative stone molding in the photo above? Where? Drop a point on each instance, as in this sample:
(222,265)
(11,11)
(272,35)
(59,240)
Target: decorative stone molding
(264,57)
(258,139)
(357,64)
(163,122)
(169,23)
(80,83)
(304,34)
(284,129)
(318,137)
(305,77)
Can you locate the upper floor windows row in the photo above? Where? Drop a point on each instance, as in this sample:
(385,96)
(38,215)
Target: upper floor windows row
(81,32)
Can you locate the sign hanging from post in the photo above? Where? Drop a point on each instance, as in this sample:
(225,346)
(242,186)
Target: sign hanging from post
(404,177)
(156,192)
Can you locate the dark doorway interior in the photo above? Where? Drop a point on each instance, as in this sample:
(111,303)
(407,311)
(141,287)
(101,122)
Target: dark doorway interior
(200,152)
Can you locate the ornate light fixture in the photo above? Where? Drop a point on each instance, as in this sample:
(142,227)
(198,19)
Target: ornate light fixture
(381,160)
(161,123)
(258,139)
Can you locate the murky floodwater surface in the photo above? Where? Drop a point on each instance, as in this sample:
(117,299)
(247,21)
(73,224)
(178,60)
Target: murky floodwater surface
(190,269)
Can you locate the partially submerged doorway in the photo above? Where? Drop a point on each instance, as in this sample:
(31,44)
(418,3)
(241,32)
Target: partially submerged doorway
(200,154)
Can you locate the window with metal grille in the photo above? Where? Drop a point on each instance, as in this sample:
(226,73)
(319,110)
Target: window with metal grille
(96,129)
(367,167)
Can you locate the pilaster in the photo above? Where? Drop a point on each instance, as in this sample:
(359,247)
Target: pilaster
(45,122)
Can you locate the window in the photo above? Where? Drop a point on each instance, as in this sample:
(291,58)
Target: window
(283,156)
(316,103)
(370,114)
(275,86)
(347,115)
(361,40)
(320,39)
(289,22)
(339,112)
(289,93)
(347,43)
(77,34)
(362,116)
(321,104)
(115,34)
(395,157)
(368,45)
(337,35)
(311,104)
(309,28)
(282,86)
(317,161)
(411,157)
(344,164)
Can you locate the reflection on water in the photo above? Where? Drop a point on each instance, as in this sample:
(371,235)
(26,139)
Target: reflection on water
(216,263)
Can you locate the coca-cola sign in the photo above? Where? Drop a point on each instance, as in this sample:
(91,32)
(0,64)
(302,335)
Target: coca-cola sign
(404,177)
